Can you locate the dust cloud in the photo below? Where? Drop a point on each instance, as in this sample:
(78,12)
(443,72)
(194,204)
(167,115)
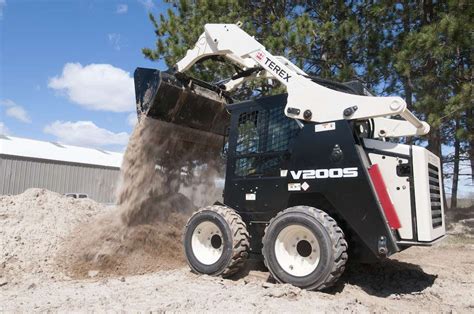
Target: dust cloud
(168,171)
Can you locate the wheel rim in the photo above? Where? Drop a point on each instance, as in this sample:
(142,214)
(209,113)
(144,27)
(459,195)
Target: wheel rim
(297,250)
(207,243)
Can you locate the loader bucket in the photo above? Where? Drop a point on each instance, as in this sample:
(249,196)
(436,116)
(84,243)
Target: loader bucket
(163,96)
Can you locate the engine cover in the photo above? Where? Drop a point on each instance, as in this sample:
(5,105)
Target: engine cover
(413,178)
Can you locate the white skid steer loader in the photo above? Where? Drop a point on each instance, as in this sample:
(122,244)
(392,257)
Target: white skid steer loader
(311,179)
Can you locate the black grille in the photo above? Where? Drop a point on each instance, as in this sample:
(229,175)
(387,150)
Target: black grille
(263,140)
(435,196)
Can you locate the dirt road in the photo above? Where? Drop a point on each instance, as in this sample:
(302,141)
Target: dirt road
(443,282)
(33,227)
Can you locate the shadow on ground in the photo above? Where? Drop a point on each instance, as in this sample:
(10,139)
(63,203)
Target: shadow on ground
(385,278)
(380,279)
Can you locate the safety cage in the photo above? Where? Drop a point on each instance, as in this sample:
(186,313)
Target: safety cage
(262,139)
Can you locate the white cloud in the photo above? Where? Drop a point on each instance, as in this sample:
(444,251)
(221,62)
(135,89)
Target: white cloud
(121,9)
(7,102)
(96,87)
(15,111)
(84,133)
(3,129)
(132,119)
(3,4)
(18,113)
(114,40)
(148,4)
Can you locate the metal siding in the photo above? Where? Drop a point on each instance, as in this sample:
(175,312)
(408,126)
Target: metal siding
(73,174)
(19,174)
(3,174)
(12,175)
(86,179)
(59,182)
(41,168)
(47,175)
(61,178)
(23,175)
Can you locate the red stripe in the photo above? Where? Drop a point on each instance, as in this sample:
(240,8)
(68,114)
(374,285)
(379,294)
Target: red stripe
(384,198)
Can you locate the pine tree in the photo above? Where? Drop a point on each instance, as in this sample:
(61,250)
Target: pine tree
(419,50)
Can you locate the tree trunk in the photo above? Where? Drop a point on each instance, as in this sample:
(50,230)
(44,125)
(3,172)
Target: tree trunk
(471,157)
(470,128)
(409,100)
(454,189)
(434,142)
(434,146)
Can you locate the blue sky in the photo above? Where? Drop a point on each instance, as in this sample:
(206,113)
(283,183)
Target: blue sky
(66,68)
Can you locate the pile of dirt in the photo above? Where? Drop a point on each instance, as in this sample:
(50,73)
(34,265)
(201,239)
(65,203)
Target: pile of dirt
(165,176)
(33,226)
(460,221)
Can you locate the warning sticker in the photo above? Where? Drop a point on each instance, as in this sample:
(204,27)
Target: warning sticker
(294,186)
(325,127)
(250,196)
(305,186)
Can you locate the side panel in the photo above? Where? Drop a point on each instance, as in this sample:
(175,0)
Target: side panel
(384,197)
(322,166)
(398,188)
(415,189)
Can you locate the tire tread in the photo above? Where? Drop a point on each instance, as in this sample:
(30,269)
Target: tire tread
(339,244)
(240,236)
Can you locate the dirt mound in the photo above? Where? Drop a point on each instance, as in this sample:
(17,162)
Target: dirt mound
(116,249)
(164,179)
(460,221)
(33,226)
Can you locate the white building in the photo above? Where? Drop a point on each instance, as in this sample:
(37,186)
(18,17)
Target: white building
(26,163)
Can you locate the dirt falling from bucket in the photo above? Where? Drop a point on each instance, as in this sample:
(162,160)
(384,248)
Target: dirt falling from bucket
(168,171)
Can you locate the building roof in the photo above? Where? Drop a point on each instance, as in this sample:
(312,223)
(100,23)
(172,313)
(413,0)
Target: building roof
(16,146)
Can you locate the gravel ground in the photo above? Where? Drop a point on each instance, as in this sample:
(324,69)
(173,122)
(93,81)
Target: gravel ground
(34,225)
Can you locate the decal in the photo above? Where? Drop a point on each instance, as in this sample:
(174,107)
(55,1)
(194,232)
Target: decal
(276,69)
(250,197)
(283,173)
(325,127)
(260,55)
(309,174)
(305,186)
(296,174)
(294,186)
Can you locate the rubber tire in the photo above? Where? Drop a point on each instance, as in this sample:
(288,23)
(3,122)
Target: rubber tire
(235,241)
(332,244)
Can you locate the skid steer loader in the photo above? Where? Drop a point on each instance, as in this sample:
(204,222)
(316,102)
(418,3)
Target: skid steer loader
(311,178)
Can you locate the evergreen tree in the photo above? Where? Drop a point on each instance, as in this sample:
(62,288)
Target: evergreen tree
(421,50)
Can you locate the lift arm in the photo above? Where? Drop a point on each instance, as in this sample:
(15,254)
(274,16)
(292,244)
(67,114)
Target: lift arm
(307,100)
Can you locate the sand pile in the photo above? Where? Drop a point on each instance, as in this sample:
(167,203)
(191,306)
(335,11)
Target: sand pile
(164,179)
(33,225)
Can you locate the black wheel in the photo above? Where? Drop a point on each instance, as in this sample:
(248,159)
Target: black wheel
(305,247)
(216,241)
